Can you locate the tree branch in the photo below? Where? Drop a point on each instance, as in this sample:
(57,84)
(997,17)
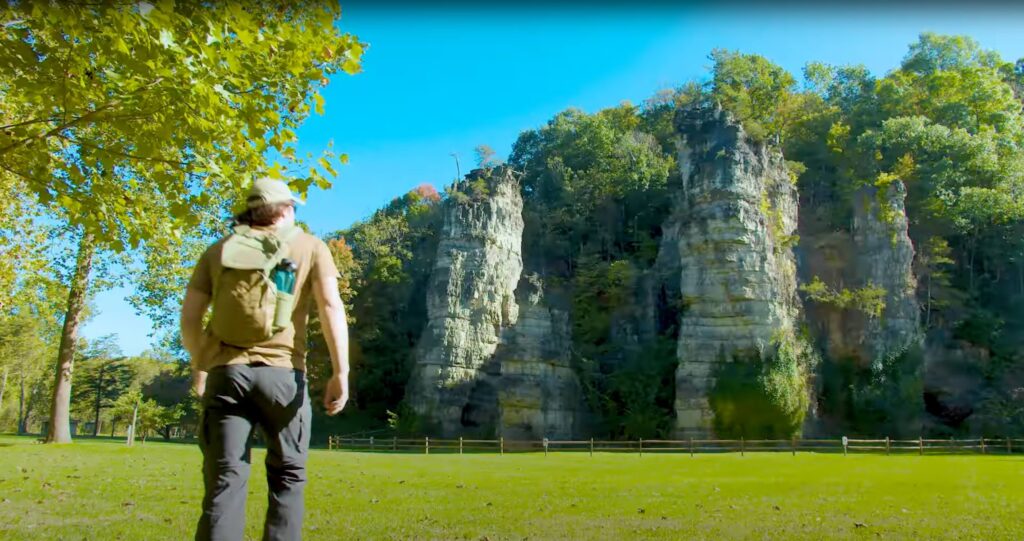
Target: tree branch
(31,180)
(73,122)
(122,154)
(27,122)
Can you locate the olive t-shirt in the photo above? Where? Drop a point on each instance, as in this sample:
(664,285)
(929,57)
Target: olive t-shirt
(288,347)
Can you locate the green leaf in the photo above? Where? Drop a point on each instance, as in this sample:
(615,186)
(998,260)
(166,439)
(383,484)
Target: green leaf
(326,165)
(166,38)
(351,67)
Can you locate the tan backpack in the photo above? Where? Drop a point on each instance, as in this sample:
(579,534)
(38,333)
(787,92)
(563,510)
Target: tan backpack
(248,308)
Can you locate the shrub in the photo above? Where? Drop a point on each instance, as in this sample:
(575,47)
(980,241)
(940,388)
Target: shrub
(763,397)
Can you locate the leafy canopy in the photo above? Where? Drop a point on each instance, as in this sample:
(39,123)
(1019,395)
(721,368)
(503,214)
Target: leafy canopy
(138,120)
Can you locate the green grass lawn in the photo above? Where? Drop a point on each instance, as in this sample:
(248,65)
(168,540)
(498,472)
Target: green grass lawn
(104,490)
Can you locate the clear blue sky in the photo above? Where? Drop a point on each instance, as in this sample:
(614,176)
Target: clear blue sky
(443,81)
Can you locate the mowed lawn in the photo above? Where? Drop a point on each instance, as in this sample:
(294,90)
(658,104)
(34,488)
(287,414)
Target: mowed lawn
(104,490)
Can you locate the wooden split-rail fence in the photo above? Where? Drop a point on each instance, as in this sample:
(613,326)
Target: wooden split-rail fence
(692,446)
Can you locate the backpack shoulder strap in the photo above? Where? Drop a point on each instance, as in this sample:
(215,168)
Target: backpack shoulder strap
(284,237)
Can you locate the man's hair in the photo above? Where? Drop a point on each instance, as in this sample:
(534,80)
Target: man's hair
(263,215)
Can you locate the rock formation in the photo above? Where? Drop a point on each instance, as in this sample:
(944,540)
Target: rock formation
(485,362)
(494,357)
(885,257)
(539,394)
(731,229)
(878,252)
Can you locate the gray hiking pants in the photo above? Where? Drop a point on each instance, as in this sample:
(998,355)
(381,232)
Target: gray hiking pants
(238,398)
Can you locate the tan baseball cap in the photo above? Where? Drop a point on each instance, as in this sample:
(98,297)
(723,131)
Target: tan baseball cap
(267,191)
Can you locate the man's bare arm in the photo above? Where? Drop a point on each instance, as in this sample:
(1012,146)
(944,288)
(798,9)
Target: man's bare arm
(335,327)
(192,311)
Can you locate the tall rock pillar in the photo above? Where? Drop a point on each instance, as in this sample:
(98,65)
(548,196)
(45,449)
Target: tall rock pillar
(470,300)
(494,356)
(732,229)
(885,258)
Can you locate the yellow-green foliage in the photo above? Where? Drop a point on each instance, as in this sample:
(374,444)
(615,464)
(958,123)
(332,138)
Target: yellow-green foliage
(776,227)
(869,299)
(598,289)
(768,397)
(758,92)
(795,169)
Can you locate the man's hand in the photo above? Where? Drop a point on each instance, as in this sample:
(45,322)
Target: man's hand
(198,382)
(336,394)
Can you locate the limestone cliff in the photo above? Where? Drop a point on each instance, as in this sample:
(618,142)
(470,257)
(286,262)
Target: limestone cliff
(461,383)
(876,251)
(539,394)
(732,230)
(885,257)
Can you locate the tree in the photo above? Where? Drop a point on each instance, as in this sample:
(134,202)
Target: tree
(485,157)
(932,267)
(385,263)
(29,327)
(580,170)
(103,375)
(134,122)
(149,416)
(23,350)
(758,92)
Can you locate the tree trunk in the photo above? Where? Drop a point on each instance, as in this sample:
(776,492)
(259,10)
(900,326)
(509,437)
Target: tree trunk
(1020,275)
(21,403)
(970,263)
(928,310)
(99,398)
(60,409)
(3,387)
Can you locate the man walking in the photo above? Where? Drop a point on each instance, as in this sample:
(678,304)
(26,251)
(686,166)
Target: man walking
(249,362)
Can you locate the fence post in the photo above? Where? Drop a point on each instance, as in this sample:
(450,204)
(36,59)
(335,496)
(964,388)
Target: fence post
(845,442)
(983,445)
(330,442)
(371,443)
(501,445)
(591,446)
(641,447)
(920,445)
(887,445)
(1009,446)
(426,445)
(394,443)
(691,446)
(743,446)
(794,445)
